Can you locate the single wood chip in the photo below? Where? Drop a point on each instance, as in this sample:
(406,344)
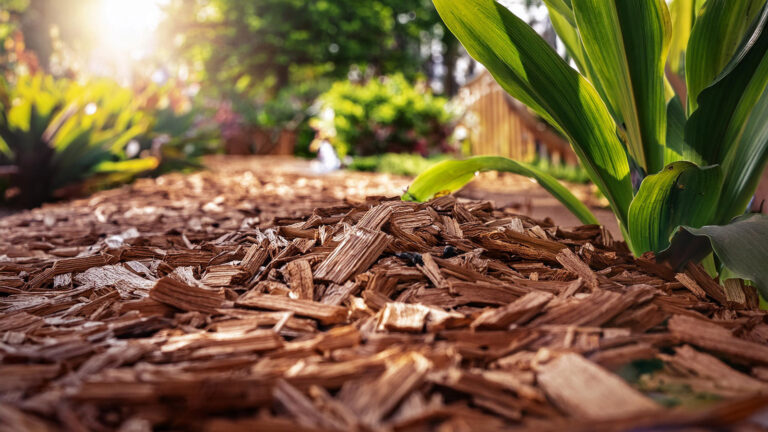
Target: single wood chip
(432,271)
(712,288)
(518,312)
(734,293)
(255,257)
(326,314)
(355,254)
(302,408)
(222,275)
(691,285)
(176,293)
(571,262)
(299,275)
(582,388)
(403,317)
(373,400)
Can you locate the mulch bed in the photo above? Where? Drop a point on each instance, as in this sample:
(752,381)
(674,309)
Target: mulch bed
(179,304)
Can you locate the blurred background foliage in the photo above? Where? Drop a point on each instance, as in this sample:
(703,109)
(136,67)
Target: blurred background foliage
(94,93)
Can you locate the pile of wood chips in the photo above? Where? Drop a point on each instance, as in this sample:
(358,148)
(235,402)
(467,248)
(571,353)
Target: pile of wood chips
(144,309)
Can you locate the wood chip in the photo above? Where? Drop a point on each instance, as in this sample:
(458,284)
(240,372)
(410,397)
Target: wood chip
(710,336)
(299,275)
(581,388)
(173,292)
(571,262)
(518,312)
(326,314)
(360,248)
(403,317)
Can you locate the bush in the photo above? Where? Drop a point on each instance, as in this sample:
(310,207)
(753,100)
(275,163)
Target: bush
(57,135)
(386,115)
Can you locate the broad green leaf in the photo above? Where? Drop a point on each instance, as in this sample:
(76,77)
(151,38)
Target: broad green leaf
(529,70)
(683,13)
(746,160)
(450,176)
(742,246)
(564,23)
(715,38)
(725,107)
(627,44)
(681,194)
(676,146)
(562,9)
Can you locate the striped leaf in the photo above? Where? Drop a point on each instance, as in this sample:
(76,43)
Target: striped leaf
(681,194)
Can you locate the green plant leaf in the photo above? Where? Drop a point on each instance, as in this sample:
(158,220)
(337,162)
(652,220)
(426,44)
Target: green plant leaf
(742,246)
(627,44)
(564,23)
(683,13)
(715,129)
(745,162)
(529,70)
(131,166)
(676,147)
(715,38)
(681,194)
(450,176)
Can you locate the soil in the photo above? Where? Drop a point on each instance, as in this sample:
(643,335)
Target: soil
(251,297)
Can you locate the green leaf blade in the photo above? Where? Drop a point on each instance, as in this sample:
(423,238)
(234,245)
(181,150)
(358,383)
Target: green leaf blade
(715,38)
(742,246)
(681,194)
(713,131)
(450,176)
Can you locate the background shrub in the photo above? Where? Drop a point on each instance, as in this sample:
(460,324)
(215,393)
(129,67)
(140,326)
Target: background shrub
(386,115)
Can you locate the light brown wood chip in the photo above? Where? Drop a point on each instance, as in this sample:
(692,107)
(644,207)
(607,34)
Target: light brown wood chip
(711,368)
(403,317)
(299,275)
(355,254)
(176,293)
(571,262)
(710,336)
(68,265)
(691,285)
(326,314)
(432,271)
(375,399)
(255,257)
(302,409)
(518,312)
(222,275)
(582,388)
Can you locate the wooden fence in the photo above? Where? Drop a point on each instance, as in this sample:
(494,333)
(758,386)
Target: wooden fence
(502,126)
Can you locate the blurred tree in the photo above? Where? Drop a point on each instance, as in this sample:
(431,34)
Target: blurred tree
(268,44)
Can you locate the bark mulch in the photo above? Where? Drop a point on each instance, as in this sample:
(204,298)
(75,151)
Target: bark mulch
(145,311)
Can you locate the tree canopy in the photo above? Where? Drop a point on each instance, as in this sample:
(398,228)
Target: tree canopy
(271,43)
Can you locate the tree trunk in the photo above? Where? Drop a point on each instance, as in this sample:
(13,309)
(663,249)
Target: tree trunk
(450,87)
